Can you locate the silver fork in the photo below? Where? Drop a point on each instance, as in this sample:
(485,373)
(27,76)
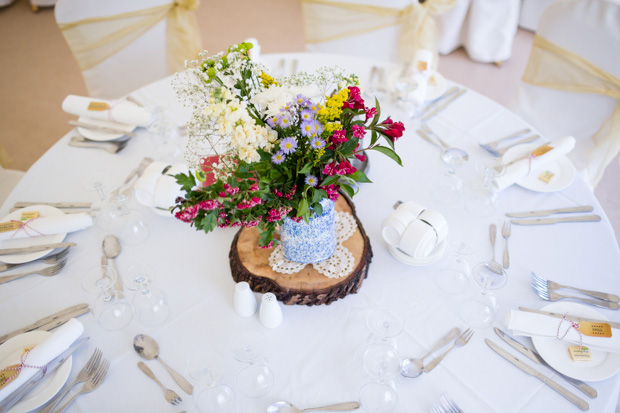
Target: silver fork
(551,285)
(110,146)
(47,271)
(542,290)
(170,395)
(94,382)
(427,129)
(86,373)
(51,259)
(460,342)
(506,235)
(445,404)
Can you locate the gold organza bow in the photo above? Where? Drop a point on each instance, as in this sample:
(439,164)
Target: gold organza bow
(326,20)
(552,66)
(95,39)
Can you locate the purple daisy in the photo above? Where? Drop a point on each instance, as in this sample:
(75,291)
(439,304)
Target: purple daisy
(278,158)
(317,143)
(288,145)
(306,115)
(311,180)
(284,120)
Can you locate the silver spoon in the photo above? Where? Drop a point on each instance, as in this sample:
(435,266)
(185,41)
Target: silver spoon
(286,407)
(412,367)
(112,248)
(147,348)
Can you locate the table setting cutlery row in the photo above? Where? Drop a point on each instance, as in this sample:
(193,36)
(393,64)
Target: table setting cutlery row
(547,291)
(445,404)
(493,147)
(547,212)
(113,146)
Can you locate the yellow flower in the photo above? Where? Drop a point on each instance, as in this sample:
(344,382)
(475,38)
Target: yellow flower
(333,106)
(267,80)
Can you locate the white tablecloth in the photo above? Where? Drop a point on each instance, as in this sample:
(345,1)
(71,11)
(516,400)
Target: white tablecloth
(316,352)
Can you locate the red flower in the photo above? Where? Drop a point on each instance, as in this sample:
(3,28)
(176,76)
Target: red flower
(355,100)
(370,113)
(393,130)
(339,136)
(358,131)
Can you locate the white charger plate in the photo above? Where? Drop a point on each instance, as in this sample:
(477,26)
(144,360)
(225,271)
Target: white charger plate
(44,211)
(555,352)
(10,353)
(562,168)
(97,135)
(435,255)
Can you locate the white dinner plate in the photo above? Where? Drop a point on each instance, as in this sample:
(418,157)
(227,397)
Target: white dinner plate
(555,352)
(97,135)
(436,86)
(44,211)
(435,255)
(562,168)
(10,353)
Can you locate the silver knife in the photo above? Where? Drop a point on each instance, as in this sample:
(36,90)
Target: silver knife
(66,315)
(440,99)
(54,204)
(535,357)
(18,393)
(570,317)
(582,404)
(548,212)
(548,221)
(444,105)
(36,248)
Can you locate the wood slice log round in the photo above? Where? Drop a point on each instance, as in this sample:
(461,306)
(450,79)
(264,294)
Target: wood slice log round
(249,262)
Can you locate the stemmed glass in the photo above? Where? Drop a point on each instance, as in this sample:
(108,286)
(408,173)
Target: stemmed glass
(256,379)
(163,132)
(480,310)
(111,309)
(132,225)
(150,303)
(206,368)
(382,362)
(385,324)
(447,188)
(455,270)
(404,90)
(481,202)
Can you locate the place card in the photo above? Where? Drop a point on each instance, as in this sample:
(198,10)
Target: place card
(546,176)
(595,329)
(98,106)
(578,353)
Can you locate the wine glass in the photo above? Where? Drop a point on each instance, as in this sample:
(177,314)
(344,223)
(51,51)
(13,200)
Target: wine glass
(132,226)
(382,362)
(455,270)
(256,379)
(385,324)
(481,201)
(149,303)
(206,368)
(111,309)
(404,90)
(479,311)
(378,398)
(163,133)
(447,189)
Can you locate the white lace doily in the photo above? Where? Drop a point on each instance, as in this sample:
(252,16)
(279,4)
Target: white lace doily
(338,265)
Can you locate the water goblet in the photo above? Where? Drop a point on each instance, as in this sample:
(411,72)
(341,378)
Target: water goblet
(150,303)
(206,368)
(256,379)
(132,226)
(385,324)
(382,363)
(378,398)
(479,311)
(454,272)
(163,133)
(111,309)
(481,201)
(447,189)
(404,90)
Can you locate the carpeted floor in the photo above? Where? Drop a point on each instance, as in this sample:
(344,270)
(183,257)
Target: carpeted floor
(38,71)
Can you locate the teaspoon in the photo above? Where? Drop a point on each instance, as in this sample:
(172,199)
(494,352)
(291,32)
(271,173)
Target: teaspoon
(412,367)
(112,248)
(286,407)
(147,348)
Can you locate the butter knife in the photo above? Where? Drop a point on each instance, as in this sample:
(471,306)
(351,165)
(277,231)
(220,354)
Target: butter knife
(547,212)
(21,391)
(444,105)
(582,404)
(42,324)
(548,221)
(570,317)
(54,204)
(536,358)
(36,248)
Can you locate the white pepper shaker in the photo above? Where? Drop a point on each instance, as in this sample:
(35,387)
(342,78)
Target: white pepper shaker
(244,300)
(270,311)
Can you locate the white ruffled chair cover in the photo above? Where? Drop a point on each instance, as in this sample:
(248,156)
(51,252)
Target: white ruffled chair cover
(141,62)
(590,29)
(531,10)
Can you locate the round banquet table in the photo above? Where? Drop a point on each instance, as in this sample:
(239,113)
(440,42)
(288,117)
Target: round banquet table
(316,353)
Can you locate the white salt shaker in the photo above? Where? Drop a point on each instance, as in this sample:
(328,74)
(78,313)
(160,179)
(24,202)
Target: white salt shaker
(270,311)
(244,300)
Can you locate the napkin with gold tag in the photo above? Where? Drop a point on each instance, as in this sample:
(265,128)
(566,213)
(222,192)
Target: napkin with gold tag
(34,225)
(112,111)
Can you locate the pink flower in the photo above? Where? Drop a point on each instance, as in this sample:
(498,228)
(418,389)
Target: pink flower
(330,169)
(355,100)
(359,131)
(232,190)
(268,245)
(345,168)
(297,219)
(339,136)
(209,204)
(253,188)
(393,130)
(332,191)
(370,113)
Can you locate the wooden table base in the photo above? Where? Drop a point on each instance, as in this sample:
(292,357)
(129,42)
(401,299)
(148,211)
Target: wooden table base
(249,262)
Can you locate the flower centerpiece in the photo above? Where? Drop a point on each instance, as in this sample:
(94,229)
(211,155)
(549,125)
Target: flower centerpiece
(274,150)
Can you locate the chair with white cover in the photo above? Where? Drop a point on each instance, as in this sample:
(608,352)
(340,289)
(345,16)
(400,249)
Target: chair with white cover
(9,178)
(122,45)
(571,85)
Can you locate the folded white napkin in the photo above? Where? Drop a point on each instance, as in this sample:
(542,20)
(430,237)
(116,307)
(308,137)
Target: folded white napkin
(43,353)
(524,323)
(117,111)
(167,189)
(50,225)
(145,185)
(520,169)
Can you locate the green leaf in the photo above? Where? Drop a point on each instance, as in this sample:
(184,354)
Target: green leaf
(318,195)
(348,189)
(374,136)
(360,176)
(331,180)
(207,224)
(302,207)
(317,209)
(307,168)
(187,182)
(388,152)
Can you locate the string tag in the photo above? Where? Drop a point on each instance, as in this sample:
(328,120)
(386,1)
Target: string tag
(10,373)
(14,225)
(579,353)
(546,176)
(595,329)
(573,325)
(98,106)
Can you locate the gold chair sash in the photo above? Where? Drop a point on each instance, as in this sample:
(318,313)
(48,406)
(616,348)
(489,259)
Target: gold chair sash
(554,67)
(326,20)
(95,39)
